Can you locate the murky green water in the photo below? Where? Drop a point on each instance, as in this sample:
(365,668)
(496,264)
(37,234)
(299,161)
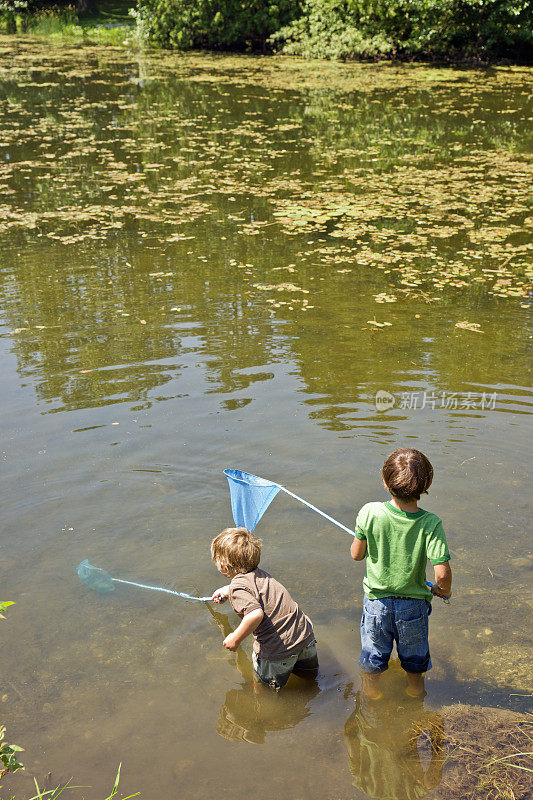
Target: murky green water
(199,259)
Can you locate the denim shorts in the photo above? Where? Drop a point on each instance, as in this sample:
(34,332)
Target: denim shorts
(403,620)
(276,673)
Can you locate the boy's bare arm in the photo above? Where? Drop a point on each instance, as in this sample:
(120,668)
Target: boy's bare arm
(443,580)
(221,595)
(247,626)
(358,549)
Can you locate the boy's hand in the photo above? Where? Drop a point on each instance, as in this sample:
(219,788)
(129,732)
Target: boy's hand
(220,595)
(247,626)
(438,592)
(231,642)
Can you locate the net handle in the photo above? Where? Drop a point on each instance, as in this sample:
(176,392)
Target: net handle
(314,508)
(160,589)
(334,521)
(446,597)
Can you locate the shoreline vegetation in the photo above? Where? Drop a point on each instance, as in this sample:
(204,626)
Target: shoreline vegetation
(461,32)
(108,24)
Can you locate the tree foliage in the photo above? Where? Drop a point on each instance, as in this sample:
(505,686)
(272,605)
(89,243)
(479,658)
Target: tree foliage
(214,24)
(441,28)
(342,29)
(27,8)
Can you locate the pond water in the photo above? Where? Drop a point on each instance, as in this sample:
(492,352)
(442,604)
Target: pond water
(212,262)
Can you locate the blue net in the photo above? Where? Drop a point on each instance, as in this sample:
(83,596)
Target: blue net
(98,579)
(250,497)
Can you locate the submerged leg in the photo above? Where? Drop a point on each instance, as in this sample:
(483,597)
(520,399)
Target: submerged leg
(370,685)
(415,683)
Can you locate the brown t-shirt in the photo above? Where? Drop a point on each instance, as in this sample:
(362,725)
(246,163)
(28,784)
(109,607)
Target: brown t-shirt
(284,630)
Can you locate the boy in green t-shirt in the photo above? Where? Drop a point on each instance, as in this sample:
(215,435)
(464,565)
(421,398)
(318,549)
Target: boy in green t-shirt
(397,538)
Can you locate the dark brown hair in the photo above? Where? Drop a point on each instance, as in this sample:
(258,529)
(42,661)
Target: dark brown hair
(407,474)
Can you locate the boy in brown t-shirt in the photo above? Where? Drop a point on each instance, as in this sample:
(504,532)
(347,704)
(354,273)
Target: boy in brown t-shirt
(284,638)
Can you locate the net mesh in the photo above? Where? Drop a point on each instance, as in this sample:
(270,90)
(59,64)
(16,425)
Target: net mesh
(250,497)
(98,579)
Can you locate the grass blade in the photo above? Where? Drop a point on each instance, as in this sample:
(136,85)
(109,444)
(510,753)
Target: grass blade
(511,755)
(114,790)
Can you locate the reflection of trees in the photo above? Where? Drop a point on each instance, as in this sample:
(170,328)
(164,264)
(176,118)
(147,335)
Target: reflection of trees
(343,361)
(399,124)
(119,159)
(82,329)
(72,335)
(96,133)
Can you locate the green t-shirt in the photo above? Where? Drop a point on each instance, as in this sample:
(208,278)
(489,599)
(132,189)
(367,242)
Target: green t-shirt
(398,544)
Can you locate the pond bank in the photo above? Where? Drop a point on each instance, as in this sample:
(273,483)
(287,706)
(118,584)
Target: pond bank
(487,754)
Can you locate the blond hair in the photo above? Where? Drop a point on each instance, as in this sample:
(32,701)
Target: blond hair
(237,549)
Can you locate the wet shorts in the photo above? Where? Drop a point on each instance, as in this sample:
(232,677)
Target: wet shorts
(403,620)
(276,673)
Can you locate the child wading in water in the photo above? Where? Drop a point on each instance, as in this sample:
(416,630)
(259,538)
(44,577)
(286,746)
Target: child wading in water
(397,538)
(284,638)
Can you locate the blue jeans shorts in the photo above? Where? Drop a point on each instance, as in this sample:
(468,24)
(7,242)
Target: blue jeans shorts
(276,673)
(403,620)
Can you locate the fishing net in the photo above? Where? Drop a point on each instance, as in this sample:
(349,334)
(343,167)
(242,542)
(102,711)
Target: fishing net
(250,497)
(102,582)
(98,579)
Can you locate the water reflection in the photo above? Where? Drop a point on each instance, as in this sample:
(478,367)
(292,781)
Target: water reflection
(395,745)
(253,710)
(145,200)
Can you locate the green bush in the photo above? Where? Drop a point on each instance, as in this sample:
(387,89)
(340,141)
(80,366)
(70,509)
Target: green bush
(53,21)
(213,24)
(38,16)
(330,29)
(439,28)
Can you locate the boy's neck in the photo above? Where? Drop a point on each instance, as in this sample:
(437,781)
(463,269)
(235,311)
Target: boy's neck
(411,506)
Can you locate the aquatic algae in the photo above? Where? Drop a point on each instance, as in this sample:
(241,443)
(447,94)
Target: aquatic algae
(147,155)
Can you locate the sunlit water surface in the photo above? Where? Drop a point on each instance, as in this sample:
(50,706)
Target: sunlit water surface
(166,314)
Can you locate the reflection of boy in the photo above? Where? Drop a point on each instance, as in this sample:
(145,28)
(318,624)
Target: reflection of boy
(382,742)
(284,638)
(397,538)
(251,711)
